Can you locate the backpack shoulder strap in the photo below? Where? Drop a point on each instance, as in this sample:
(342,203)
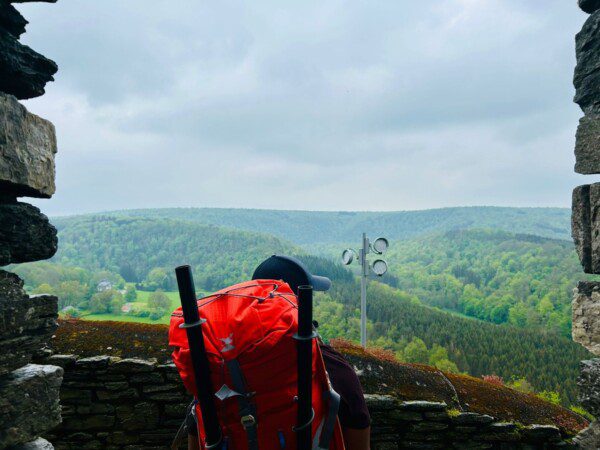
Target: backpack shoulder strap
(247,408)
(182,432)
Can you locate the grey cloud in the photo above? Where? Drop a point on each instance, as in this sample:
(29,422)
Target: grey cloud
(454,102)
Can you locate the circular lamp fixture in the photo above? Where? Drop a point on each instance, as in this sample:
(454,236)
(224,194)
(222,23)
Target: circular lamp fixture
(380,245)
(347,257)
(379,267)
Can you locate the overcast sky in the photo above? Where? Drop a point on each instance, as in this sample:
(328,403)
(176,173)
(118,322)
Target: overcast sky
(333,105)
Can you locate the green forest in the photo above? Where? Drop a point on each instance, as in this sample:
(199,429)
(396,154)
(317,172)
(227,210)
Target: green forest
(479,301)
(307,228)
(526,281)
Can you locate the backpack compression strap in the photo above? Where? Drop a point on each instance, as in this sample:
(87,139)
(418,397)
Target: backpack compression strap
(247,408)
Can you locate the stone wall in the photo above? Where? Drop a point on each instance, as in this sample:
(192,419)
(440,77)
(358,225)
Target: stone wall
(586,217)
(29,402)
(113,403)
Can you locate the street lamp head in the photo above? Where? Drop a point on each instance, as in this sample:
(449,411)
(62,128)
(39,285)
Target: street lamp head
(379,267)
(348,256)
(380,245)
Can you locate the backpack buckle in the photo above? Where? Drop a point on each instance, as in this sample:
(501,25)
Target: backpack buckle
(248,421)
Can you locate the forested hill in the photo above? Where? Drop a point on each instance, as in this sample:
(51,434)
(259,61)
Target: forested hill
(135,247)
(144,250)
(321,227)
(492,275)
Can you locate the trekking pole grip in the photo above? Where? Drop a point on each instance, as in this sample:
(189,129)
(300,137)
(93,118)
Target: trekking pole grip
(192,325)
(304,338)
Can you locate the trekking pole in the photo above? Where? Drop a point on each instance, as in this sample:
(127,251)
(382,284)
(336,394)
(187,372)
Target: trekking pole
(304,337)
(192,325)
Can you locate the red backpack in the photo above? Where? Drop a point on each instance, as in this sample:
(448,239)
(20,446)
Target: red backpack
(248,336)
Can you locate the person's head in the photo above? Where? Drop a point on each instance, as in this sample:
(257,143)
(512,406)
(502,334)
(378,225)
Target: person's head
(292,271)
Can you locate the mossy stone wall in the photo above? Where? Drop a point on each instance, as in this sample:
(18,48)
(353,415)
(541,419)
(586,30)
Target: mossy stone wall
(113,403)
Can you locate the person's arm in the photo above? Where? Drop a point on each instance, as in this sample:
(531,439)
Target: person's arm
(192,430)
(357,439)
(193,443)
(353,413)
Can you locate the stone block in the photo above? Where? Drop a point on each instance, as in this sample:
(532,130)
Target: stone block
(23,72)
(141,416)
(422,406)
(64,361)
(95,408)
(25,234)
(27,149)
(586,315)
(587,71)
(11,19)
(542,433)
(70,396)
(88,423)
(377,402)
(589,386)
(132,365)
(121,438)
(471,418)
(150,378)
(176,410)
(499,432)
(581,225)
(589,438)
(162,397)
(148,389)
(26,323)
(29,403)
(123,394)
(587,145)
(428,426)
(437,415)
(93,362)
(589,6)
(36,444)
(585,226)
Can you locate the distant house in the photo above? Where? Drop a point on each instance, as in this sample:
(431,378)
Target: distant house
(104,285)
(126,308)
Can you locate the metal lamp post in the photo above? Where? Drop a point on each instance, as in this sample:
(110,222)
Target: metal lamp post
(379,267)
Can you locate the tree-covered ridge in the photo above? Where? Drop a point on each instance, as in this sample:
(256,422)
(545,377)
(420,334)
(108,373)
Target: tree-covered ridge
(492,275)
(325,227)
(398,320)
(147,250)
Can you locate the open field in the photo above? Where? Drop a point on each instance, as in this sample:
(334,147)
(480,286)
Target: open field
(142,299)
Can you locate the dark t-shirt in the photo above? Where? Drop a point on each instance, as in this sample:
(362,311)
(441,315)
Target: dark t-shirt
(353,412)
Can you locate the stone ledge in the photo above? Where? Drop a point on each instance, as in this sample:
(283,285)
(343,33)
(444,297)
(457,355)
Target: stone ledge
(25,234)
(23,72)
(589,6)
(587,76)
(27,146)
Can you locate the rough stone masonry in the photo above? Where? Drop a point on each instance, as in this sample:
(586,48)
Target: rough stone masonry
(586,215)
(29,393)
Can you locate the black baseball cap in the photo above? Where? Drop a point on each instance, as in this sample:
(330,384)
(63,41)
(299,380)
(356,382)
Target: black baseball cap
(292,271)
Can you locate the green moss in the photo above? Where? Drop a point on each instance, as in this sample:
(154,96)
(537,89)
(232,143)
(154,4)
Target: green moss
(453,412)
